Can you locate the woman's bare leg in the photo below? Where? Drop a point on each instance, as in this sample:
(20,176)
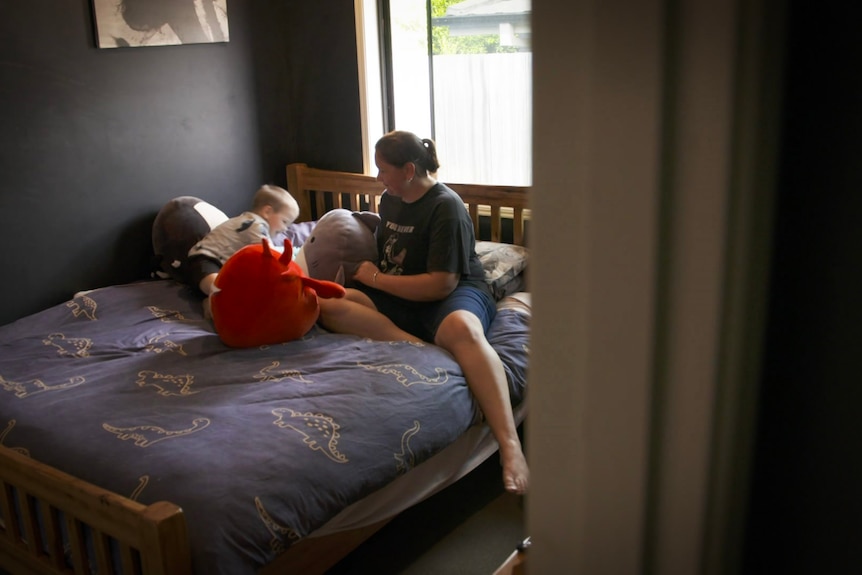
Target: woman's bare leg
(461,335)
(354,314)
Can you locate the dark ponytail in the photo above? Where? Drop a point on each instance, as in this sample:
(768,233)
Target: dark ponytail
(399,148)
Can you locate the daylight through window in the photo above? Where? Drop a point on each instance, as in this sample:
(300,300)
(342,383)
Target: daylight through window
(459,71)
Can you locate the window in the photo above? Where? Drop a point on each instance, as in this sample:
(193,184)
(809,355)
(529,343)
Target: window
(458,71)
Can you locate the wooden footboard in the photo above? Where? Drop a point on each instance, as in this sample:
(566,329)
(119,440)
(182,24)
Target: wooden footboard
(318,191)
(54,523)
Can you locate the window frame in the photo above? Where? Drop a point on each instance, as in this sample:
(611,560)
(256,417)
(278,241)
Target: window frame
(378,88)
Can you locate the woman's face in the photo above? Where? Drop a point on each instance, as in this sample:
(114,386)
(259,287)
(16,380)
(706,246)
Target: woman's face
(393,177)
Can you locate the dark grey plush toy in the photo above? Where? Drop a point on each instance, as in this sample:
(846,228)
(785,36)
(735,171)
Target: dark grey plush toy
(339,242)
(179,225)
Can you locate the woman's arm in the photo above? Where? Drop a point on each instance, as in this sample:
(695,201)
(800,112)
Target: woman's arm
(431,286)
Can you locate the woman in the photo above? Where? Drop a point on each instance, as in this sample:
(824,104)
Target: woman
(430,286)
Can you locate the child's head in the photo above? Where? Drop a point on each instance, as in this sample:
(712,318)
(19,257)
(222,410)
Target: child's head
(276,206)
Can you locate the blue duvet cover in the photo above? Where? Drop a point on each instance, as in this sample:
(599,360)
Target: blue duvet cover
(129,388)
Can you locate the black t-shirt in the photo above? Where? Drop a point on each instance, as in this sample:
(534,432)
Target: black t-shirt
(434,233)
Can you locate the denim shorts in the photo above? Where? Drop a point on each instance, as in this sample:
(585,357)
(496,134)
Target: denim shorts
(423,318)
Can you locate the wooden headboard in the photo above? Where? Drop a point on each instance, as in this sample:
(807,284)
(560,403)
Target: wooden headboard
(320,190)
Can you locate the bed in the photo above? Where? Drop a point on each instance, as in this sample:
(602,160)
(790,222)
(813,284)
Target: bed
(133,441)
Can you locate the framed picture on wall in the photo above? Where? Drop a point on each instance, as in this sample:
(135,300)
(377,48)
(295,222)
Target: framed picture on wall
(134,23)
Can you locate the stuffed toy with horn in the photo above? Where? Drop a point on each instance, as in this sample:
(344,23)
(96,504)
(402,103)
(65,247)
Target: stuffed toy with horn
(339,242)
(262,297)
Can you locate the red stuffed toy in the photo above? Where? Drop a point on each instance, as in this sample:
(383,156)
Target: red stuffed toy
(263,297)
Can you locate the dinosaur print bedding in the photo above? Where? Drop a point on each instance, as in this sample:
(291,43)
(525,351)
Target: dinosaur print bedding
(129,387)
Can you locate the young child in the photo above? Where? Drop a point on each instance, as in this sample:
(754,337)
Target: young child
(273,209)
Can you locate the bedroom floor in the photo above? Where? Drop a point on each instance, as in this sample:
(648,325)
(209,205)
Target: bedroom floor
(469,528)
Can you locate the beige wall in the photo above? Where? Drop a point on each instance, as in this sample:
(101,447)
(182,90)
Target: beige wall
(652,163)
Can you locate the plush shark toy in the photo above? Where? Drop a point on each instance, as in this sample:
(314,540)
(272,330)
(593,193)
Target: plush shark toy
(262,297)
(339,242)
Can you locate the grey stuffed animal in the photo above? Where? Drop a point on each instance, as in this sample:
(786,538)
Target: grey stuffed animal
(179,225)
(339,242)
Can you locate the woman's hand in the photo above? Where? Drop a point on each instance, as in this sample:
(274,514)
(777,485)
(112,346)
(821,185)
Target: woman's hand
(431,286)
(366,273)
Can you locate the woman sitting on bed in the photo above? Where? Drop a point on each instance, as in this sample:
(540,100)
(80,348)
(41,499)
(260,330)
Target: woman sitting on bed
(430,285)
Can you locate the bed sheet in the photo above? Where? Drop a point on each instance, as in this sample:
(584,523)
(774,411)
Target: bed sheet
(128,387)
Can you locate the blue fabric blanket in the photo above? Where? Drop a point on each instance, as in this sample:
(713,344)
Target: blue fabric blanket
(129,387)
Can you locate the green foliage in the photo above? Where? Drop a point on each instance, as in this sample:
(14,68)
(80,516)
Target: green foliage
(443,43)
(439,7)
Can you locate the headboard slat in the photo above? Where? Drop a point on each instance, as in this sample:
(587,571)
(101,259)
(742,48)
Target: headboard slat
(518,226)
(496,224)
(474,215)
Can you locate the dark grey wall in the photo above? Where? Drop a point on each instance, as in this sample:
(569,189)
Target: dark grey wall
(93,142)
(806,510)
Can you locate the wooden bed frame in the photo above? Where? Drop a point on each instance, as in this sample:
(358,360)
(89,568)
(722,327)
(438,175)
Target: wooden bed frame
(362,192)
(48,515)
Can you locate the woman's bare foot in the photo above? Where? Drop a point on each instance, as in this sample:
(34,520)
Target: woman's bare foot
(516,473)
